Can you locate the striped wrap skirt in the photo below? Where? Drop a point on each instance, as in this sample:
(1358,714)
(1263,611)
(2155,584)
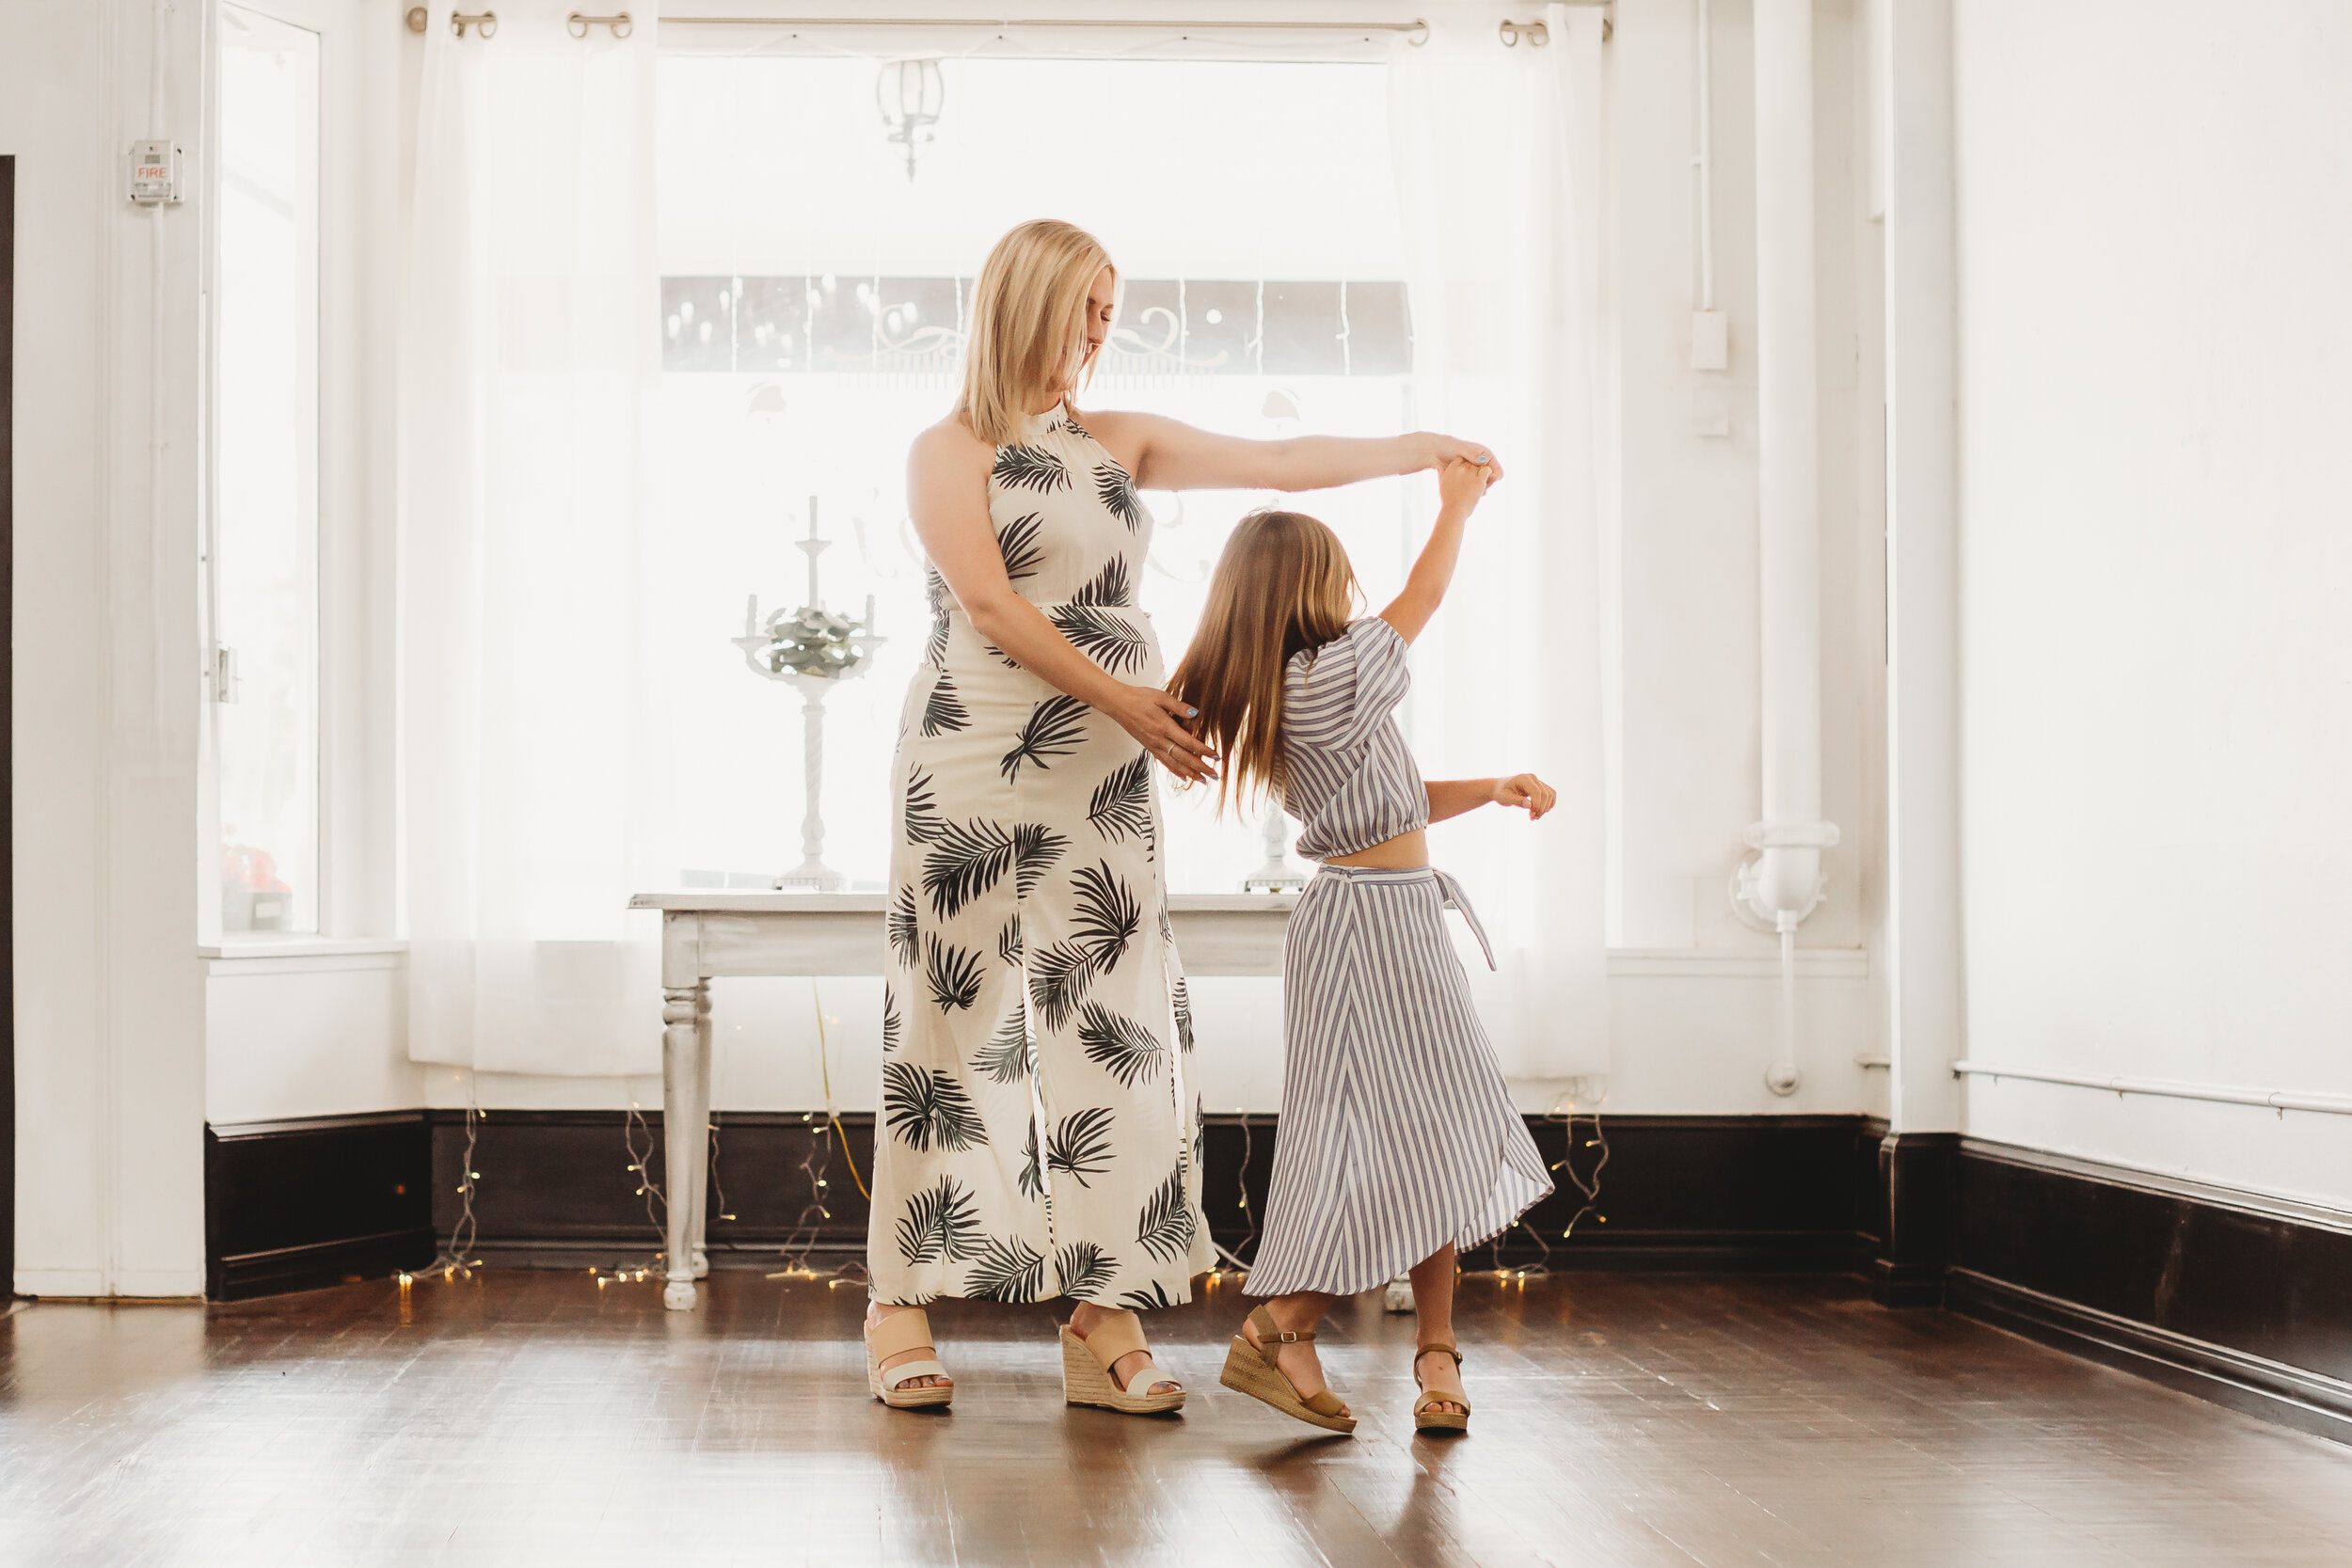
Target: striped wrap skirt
(1398,1133)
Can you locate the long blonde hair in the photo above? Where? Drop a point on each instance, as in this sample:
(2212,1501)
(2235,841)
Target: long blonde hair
(1283,584)
(1029,323)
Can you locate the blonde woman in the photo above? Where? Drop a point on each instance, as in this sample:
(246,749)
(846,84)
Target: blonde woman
(1038,1135)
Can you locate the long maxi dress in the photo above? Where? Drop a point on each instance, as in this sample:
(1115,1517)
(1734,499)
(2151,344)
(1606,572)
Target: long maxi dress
(1039,1135)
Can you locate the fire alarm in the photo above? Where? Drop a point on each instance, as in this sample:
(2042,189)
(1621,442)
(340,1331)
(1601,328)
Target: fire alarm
(155,173)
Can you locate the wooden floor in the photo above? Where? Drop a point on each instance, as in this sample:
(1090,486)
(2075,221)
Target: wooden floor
(534,1419)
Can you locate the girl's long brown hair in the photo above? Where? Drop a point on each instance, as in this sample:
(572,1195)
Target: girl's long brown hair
(1283,583)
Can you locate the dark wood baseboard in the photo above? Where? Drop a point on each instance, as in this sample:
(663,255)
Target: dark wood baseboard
(2241,1299)
(1688,1193)
(1919,1182)
(294,1204)
(2270,1389)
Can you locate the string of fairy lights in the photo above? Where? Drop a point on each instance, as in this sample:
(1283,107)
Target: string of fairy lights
(1587,1188)
(801,1245)
(450,1260)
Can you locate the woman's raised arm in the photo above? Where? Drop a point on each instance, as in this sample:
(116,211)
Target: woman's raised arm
(947,497)
(1168,454)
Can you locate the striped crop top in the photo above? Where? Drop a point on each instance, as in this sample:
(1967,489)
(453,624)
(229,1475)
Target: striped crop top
(1347,773)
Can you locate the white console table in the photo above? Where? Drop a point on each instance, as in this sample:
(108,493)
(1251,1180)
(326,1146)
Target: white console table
(708,936)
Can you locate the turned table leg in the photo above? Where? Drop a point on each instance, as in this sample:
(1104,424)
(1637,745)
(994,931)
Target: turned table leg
(698,1124)
(683,1008)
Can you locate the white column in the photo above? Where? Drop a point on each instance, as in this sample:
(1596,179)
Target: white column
(109,991)
(1924,954)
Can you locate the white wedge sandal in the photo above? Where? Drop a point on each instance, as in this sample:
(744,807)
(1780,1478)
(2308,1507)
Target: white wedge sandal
(896,1335)
(1086,1369)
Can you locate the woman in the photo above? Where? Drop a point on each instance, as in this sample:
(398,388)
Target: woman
(1038,1137)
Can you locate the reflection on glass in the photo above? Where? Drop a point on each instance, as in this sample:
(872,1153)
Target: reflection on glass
(265,534)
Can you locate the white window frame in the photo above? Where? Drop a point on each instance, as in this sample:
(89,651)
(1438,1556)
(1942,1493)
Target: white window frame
(357,279)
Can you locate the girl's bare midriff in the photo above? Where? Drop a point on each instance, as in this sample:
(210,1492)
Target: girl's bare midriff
(1404,852)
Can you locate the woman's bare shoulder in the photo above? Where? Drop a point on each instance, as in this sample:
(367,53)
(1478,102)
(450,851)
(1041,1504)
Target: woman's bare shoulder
(949,453)
(949,445)
(1123,433)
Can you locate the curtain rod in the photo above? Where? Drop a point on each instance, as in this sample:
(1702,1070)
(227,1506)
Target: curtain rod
(486,24)
(1532,30)
(1087,24)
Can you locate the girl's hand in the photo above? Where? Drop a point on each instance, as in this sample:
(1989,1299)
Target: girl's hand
(1155,717)
(1460,486)
(1447,449)
(1528,792)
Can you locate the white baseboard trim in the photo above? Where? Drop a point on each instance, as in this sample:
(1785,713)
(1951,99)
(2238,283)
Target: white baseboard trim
(60,1282)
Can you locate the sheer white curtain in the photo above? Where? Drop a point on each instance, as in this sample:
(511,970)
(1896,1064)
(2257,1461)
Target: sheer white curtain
(1498,153)
(528,349)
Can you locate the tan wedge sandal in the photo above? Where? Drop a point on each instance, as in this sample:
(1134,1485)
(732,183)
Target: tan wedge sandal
(896,1335)
(1426,1416)
(1086,1369)
(1249,1368)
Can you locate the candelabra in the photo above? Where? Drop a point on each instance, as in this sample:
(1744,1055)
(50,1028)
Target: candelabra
(1277,873)
(810,649)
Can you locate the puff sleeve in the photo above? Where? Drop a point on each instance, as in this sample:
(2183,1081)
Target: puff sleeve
(1338,693)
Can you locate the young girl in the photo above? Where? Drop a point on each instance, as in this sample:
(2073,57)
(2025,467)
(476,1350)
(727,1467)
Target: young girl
(1399,1143)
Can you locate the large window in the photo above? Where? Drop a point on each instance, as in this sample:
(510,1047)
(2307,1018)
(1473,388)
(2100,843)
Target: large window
(265,529)
(817,244)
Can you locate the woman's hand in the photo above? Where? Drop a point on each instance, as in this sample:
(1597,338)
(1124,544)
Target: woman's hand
(1528,792)
(1154,718)
(1443,450)
(1461,484)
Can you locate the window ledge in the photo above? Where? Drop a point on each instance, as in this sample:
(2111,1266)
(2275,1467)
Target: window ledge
(293,955)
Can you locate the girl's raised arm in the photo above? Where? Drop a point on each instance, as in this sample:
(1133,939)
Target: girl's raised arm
(1168,454)
(1460,483)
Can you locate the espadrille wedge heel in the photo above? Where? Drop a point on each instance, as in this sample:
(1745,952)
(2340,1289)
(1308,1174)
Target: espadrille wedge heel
(1086,1362)
(1426,1416)
(896,1335)
(1249,1368)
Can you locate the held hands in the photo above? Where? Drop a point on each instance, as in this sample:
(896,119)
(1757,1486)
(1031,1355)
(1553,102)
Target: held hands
(1527,792)
(1444,450)
(1461,484)
(1155,719)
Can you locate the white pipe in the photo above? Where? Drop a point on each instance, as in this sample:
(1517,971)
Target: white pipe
(2171,1088)
(1706,159)
(1788,480)
(1784,882)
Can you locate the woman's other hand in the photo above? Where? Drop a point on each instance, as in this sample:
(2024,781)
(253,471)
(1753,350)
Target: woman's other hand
(1527,792)
(1447,449)
(1155,719)
(1461,484)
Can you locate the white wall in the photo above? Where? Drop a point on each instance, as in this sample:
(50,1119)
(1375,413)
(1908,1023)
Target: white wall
(2156,227)
(109,993)
(310,1036)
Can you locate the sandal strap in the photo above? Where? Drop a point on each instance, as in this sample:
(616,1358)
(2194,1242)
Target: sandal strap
(898,1333)
(1269,1334)
(1116,1334)
(1440,1349)
(1431,1400)
(898,1377)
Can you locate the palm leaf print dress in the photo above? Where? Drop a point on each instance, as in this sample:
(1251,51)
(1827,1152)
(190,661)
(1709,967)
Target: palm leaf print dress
(1038,1137)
